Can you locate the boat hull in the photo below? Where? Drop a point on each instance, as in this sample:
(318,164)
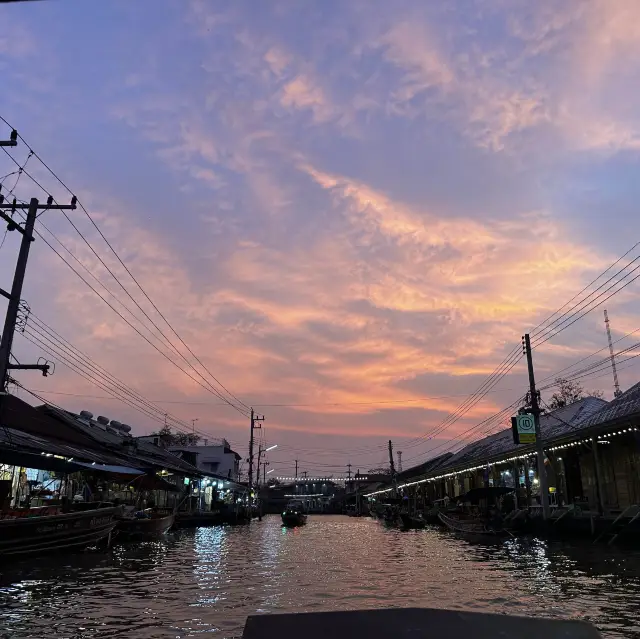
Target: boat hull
(145,528)
(473,529)
(27,536)
(412,523)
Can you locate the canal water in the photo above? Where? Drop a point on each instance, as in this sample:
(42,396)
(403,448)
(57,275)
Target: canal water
(207,581)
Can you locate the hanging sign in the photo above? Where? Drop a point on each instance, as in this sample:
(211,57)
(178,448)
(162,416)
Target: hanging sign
(524,429)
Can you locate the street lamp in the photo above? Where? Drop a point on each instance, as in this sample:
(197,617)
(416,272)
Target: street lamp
(271,448)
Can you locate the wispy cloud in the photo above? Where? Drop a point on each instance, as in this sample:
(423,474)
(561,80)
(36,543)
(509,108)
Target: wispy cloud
(339,207)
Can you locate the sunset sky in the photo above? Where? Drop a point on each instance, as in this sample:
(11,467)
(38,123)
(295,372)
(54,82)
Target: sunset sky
(350,211)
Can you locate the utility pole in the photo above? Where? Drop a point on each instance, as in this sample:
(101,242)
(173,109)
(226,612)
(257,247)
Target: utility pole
(304,472)
(392,468)
(399,454)
(193,425)
(254,421)
(535,409)
(349,470)
(18,277)
(296,469)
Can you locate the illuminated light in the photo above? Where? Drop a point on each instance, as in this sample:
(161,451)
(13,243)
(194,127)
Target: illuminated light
(271,448)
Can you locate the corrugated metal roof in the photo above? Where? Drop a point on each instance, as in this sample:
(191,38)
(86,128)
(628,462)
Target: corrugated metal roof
(624,406)
(559,423)
(133,451)
(19,448)
(426,467)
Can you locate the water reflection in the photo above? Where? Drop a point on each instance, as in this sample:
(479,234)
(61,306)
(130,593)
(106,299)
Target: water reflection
(209,580)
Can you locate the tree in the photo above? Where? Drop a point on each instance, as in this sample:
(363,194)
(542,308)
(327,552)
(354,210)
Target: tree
(169,438)
(383,470)
(570,391)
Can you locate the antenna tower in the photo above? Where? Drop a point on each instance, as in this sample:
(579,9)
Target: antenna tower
(617,392)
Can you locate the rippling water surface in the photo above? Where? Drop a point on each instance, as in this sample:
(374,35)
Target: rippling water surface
(209,580)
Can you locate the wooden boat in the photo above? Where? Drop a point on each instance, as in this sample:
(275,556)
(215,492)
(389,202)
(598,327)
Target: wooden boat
(294,515)
(36,531)
(473,527)
(145,524)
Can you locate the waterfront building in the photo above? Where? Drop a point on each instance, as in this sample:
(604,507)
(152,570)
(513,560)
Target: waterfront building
(592,461)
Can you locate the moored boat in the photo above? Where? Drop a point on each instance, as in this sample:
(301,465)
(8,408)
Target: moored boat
(411,522)
(145,524)
(473,528)
(45,530)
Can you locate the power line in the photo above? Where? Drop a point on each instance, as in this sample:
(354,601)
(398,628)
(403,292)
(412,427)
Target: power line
(501,370)
(96,378)
(534,332)
(43,331)
(547,336)
(140,404)
(166,321)
(64,348)
(129,323)
(557,373)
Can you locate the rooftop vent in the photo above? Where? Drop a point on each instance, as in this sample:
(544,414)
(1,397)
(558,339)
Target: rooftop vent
(102,420)
(126,428)
(86,414)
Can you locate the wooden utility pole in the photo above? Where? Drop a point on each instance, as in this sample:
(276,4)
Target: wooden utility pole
(296,468)
(18,278)
(535,410)
(254,421)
